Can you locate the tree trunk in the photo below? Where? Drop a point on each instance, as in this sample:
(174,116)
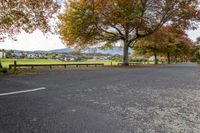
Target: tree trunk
(176,59)
(168,58)
(0,64)
(156,60)
(125,54)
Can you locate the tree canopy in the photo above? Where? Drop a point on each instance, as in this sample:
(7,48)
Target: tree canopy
(27,15)
(87,22)
(167,41)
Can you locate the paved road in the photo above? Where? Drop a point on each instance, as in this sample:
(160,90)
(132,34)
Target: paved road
(103,100)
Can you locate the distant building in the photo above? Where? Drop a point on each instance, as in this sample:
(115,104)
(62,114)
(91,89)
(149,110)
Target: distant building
(66,58)
(31,56)
(2,55)
(17,55)
(152,58)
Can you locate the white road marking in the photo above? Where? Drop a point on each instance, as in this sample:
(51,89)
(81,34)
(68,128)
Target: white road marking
(24,91)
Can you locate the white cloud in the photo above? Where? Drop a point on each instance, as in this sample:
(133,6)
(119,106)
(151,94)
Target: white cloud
(35,41)
(193,34)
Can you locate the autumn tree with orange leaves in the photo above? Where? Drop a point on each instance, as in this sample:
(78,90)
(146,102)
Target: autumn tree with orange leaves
(90,22)
(27,15)
(185,50)
(177,45)
(168,41)
(152,45)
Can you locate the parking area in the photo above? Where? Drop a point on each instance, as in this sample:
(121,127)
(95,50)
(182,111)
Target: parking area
(103,100)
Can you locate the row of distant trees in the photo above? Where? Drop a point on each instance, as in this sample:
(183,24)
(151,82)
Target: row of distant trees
(169,42)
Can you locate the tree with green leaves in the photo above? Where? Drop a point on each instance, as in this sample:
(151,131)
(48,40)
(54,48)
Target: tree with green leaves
(198,40)
(2,52)
(89,22)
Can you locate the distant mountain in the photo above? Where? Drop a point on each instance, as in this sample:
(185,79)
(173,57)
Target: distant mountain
(114,51)
(65,50)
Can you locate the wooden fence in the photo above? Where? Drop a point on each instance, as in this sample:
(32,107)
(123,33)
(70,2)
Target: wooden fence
(32,66)
(130,64)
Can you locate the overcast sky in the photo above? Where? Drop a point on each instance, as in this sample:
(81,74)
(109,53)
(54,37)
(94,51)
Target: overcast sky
(34,41)
(38,41)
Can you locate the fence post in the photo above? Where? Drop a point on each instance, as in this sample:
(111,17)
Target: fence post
(10,66)
(15,65)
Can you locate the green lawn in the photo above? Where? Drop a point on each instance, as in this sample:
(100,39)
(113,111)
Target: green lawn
(6,62)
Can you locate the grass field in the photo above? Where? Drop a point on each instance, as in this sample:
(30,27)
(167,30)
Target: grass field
(6,62)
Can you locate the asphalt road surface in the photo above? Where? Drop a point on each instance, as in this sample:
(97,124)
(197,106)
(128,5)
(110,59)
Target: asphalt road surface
(103,100)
